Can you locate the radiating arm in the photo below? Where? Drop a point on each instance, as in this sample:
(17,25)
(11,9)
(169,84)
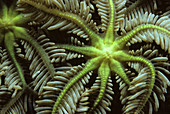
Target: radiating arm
(116,67)
(104,72)
(88,50)
(126,57)
(91,65)
(126,38)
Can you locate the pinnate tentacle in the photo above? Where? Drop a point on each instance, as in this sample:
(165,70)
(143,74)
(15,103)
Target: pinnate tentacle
(104,72)
(144,99)
(91,65)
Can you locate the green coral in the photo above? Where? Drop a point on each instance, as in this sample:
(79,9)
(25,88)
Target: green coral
(63,89)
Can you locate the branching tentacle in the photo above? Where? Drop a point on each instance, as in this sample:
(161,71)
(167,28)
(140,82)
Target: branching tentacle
(126,38)
(21,33)
(161,81)
(95,39)
(104,72)
(9,40)
(101,35)
(126,57)
(91,65)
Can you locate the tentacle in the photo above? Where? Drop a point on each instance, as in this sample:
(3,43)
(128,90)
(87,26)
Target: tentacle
(142,17)
(109,33)
(22,34)
(11,83)
(70,103)
(83,104)
(133,6)
(21,106)
(161,64)
(104,105)
(4,11)
(116,67)
(126,38)
(73,19)
(126,57)
(9,40)
(89,51)
(91,65)
(104,72)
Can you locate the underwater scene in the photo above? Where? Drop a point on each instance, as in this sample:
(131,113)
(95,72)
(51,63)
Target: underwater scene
(84,57)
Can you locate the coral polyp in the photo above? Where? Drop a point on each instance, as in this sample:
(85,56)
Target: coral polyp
(73,49)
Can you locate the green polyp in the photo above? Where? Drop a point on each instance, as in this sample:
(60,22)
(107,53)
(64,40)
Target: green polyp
(106,52)
(110,52)
(5,20)
(20,32)
(9,17)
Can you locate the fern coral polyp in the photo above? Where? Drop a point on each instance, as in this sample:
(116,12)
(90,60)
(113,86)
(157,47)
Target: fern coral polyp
(111,57)
(106,51)
(63,89)
(10,32)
